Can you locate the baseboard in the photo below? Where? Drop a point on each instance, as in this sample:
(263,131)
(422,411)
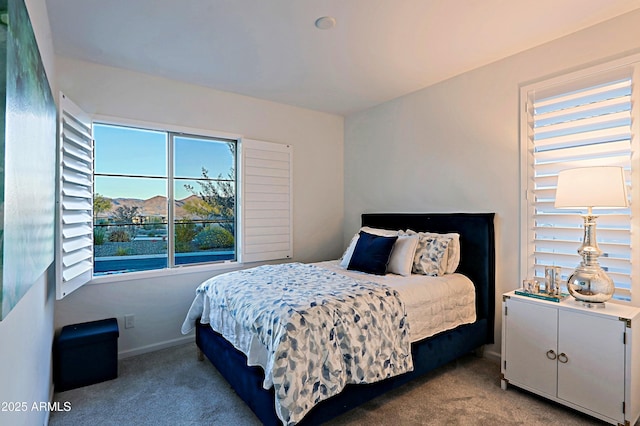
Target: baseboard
(155,347)
(492,356)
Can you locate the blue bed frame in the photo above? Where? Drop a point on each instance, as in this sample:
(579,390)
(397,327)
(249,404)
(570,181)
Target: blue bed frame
(477,261)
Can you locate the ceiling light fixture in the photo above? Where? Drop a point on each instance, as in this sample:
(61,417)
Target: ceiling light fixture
(325,22)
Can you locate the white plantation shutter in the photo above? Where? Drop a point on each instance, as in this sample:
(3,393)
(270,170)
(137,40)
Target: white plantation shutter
(74,240)
(266,201)
(581,122)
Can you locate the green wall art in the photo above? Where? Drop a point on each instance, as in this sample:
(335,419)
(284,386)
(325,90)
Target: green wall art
(27,158)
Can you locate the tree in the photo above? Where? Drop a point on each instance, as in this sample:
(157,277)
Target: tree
(199,208)
(218,197)
(123,216)
(101,204)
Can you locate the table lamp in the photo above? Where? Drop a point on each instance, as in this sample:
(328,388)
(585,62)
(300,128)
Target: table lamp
(591,188)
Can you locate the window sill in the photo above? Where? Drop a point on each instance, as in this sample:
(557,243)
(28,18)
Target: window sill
(166,272)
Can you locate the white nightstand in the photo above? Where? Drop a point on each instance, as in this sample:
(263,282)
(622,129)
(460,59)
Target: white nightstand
(584,358)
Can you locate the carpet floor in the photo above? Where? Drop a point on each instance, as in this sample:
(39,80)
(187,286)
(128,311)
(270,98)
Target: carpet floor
(170,387)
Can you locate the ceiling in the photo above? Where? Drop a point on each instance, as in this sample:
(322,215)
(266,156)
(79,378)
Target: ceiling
(270,49)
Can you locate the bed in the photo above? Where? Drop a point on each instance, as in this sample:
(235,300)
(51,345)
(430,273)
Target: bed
(477,263)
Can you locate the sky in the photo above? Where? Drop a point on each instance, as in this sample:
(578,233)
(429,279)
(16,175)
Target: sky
(137,165)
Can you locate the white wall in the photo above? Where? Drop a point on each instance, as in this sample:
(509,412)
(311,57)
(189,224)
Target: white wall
(26,334)
(454,146)
(317,139)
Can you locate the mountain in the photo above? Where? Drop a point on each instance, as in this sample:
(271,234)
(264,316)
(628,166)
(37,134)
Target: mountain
(154,206)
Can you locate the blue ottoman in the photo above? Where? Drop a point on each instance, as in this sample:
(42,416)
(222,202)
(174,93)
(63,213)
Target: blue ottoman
(85,354)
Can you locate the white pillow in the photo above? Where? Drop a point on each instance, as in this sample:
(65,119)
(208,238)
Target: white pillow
(346,257)
(401,259)
(378,231)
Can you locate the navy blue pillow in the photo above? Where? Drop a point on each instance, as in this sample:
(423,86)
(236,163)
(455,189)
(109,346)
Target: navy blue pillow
(371,254)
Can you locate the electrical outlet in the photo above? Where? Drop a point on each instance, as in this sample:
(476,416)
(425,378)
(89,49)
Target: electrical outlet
(129,321)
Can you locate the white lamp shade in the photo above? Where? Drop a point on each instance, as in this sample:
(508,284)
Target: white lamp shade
(595,187)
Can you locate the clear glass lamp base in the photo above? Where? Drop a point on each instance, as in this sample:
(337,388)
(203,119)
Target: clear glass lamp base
(590,285)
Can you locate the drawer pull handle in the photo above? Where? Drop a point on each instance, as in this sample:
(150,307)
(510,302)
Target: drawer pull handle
(551,354)
(563,358)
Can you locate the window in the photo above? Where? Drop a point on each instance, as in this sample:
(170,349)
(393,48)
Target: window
(584,119)
(161,199)
(136,198)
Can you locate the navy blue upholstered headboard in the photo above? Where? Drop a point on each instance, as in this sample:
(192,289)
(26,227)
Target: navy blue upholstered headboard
(477,248)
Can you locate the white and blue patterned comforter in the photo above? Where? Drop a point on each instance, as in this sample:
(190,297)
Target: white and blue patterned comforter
(322,330)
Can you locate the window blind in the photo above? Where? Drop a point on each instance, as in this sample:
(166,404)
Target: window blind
(583,123)
(266,201)
(74,241)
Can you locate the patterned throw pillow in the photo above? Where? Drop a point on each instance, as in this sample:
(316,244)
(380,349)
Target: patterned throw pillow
(430,255)
(452,257)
